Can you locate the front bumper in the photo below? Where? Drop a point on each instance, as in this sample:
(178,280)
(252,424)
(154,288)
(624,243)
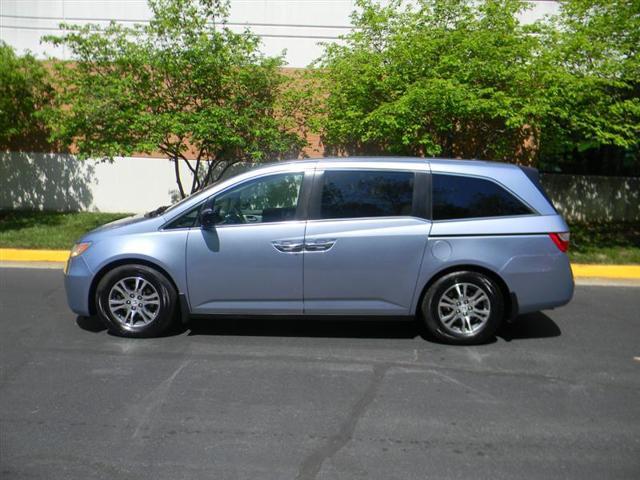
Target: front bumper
(77,283)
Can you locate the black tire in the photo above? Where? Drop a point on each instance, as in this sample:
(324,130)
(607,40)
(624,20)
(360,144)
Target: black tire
(157,319)
(469,333)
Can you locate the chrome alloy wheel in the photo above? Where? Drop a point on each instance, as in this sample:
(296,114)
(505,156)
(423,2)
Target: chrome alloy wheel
(134,302)
(464,308)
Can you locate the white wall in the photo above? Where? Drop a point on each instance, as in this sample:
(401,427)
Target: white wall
(297,26)
(594,198)
(61,182)
(133,184)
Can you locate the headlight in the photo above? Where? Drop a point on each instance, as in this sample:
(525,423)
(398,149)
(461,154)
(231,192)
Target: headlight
(79,248)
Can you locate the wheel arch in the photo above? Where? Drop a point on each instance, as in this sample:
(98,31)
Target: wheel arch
(510,299)
(118,263)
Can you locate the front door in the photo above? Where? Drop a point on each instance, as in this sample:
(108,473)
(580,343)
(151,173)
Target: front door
(251,261)
(364,243)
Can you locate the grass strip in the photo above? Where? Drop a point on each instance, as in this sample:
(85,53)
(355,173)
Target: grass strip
(49,230)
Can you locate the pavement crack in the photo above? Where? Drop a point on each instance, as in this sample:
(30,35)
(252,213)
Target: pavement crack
(154,399)
(312,464)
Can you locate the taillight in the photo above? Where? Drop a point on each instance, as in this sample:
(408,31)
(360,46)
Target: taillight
(561,240)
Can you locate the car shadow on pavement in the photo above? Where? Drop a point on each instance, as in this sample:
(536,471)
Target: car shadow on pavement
(91,324)
(301,327)
(530,326)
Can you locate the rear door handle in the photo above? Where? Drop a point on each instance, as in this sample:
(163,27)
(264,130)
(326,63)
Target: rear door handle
(288,246)
(319,245)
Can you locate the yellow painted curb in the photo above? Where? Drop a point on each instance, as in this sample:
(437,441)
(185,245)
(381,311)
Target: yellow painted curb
(579,270)
(25,255)
(606,271)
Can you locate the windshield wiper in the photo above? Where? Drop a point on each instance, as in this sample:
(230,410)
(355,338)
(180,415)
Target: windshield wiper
(156,212)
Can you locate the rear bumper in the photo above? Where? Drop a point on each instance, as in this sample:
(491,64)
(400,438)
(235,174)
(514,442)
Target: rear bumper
(540,281)
(77,283)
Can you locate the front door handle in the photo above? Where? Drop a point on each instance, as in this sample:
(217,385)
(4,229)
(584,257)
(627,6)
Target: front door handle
(288,246)
(319,245)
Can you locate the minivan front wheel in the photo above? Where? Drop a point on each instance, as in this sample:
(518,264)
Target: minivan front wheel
(463,308)
(136,301)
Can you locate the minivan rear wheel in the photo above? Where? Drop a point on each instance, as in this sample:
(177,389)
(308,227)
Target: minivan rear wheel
(463,308)
(136,301)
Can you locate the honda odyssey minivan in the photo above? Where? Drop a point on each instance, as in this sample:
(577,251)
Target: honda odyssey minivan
(462,245)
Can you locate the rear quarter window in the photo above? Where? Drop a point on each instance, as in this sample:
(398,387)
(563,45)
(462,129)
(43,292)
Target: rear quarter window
(460,197)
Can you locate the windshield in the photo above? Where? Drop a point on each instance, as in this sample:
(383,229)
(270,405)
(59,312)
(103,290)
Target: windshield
(170,208)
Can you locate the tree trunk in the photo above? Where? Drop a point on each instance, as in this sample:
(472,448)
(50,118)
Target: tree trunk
(176,165)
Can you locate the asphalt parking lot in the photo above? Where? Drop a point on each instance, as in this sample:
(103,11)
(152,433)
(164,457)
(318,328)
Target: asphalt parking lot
(557,395)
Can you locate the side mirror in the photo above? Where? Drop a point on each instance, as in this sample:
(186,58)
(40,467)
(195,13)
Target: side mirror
(209,217)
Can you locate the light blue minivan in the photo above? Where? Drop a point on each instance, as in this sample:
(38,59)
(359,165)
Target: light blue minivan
(462,245)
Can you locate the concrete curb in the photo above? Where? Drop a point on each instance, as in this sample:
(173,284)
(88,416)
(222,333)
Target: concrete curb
(621,272)
(27,255)
(606,271)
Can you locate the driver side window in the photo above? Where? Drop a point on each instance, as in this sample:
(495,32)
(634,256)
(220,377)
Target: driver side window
(268,199)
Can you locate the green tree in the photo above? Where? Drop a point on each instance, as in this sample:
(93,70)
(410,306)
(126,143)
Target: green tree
(24,90)
(184,84)
(435,77)
(594,76)
(465,78)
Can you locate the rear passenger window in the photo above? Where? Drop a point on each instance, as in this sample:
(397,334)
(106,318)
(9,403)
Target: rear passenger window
(456,197)
(353,194)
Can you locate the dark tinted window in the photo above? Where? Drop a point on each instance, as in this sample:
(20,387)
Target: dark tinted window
(352,194)
(468,197)
(186,220)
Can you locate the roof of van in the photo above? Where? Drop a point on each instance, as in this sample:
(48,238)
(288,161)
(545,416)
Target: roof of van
(436,163)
